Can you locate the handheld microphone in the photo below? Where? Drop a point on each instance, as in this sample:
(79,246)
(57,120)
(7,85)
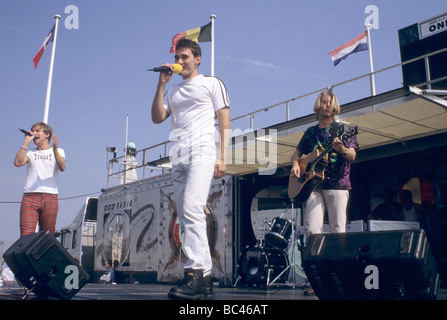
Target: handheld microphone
(177,69)
(25,132)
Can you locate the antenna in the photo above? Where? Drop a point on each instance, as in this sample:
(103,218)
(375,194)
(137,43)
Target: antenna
(127,131)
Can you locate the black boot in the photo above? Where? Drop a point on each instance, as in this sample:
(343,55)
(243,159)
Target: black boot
(193,287)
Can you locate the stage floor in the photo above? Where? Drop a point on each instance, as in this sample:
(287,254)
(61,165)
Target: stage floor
(160,292)
(95,291)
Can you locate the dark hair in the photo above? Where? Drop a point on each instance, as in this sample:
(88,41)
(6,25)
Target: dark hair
(189,44)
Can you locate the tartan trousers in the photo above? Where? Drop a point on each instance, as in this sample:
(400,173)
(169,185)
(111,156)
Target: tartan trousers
(39,208)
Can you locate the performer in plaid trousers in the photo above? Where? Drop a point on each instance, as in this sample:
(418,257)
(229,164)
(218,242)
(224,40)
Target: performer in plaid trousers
(40,200)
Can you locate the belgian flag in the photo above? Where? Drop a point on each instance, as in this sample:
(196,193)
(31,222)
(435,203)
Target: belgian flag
(201,34)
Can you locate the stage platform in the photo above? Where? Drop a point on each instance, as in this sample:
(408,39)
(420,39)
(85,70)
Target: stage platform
(95,291)
(160,292)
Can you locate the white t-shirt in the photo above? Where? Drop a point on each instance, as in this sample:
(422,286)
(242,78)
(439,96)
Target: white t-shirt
(411,214)
(193,105)
(42,171)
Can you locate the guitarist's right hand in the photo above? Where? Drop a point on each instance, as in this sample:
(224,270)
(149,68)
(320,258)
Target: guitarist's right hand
(295,171)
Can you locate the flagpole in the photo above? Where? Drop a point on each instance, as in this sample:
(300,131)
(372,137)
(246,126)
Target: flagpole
(50,74)
(212,17)
(371,78)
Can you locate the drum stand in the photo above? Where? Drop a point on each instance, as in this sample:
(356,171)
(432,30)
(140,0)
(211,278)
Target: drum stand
(292,264)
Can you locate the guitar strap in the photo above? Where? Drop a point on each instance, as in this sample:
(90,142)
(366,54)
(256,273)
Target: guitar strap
(334,134)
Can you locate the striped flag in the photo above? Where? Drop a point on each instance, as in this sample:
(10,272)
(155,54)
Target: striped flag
(359,43)
(202,34)
(48,39)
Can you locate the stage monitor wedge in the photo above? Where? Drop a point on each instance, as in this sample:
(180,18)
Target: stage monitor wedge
(40,263)
(378,265)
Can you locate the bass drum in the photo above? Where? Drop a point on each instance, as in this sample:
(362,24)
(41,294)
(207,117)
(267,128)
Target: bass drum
(260,266)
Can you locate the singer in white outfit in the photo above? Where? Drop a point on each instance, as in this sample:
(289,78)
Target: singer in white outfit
(193,105)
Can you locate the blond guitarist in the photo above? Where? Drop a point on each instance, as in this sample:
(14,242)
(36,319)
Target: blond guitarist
(332,193)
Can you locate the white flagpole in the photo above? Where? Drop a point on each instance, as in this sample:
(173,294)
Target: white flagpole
(371,78)
(212,17)
(50,75)
(125,148)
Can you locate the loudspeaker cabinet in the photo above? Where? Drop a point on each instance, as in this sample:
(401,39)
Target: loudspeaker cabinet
(379,265)
(40,263)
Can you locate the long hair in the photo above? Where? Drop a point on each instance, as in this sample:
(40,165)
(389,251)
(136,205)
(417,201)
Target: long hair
(334,103)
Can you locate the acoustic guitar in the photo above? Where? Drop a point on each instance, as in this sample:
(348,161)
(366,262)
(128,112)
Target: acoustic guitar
(312,171)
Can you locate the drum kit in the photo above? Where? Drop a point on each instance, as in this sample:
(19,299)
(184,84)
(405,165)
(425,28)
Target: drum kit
(267,263)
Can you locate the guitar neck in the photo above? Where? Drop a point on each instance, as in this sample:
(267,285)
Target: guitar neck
(321,156)
(350,133)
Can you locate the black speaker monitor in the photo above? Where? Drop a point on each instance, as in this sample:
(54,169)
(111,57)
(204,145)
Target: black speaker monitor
(379,265)
(40,263)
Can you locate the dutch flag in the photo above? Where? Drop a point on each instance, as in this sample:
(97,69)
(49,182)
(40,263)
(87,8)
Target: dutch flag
(359,43)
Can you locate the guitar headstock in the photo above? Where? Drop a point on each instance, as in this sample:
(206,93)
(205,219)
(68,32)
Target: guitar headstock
(351,132)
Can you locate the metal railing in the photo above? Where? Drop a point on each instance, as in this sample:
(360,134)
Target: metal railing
(153,166)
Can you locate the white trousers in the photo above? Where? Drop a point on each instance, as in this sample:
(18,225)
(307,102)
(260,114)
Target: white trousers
(191,181)
(335,202)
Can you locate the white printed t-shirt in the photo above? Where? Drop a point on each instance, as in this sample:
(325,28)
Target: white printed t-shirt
(42,171)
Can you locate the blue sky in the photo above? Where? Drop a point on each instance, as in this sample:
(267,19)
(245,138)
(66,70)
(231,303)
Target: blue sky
(265,52)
